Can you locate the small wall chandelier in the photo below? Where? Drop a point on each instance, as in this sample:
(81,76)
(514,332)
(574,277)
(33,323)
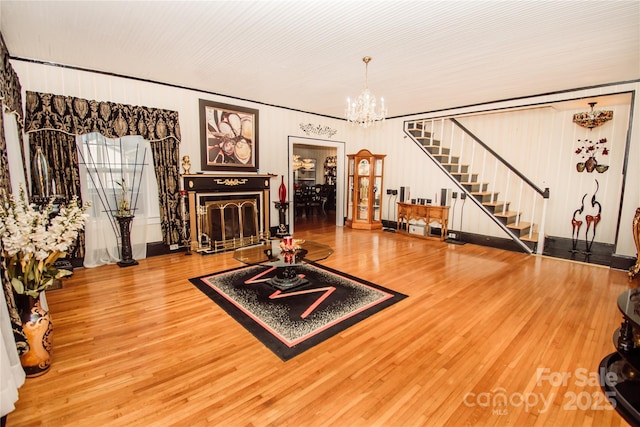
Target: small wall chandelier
(297,162)
(364,110)
(592,119)
(307,164)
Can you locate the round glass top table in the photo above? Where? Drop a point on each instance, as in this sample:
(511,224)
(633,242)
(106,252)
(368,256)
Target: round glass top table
(270,253)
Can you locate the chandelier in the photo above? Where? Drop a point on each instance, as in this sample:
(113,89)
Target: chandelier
(592,119)
(363,109)
(298,163)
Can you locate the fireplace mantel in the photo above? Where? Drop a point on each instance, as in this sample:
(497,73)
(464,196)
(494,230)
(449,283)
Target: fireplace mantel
(202,189)
(225,182)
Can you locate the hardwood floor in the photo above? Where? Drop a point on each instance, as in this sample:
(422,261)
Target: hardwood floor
(141,346)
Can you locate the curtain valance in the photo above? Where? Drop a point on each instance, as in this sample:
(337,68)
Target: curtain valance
(77,116)
(53,122)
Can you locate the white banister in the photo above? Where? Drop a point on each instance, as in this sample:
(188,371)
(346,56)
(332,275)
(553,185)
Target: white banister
(541,236)
(450,148)
(495,174)
(506,192)
(461,152)
(441,136)
(533,212)
(519,207)
(484,162)
(473,157)
(431,133)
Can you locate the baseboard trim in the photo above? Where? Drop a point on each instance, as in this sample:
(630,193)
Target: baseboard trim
(622,262)
(490,241)
(160,248)
(475,239)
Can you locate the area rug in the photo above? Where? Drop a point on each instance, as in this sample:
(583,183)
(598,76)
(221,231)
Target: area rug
(291,322)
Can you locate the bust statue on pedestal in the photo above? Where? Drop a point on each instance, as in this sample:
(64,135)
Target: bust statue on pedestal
(186,165)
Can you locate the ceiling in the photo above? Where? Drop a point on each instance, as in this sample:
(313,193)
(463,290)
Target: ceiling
(307,55)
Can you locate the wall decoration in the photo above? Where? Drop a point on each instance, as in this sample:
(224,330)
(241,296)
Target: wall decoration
(575,226)
(229,137)
(588,150)
(318,130)
(592,220)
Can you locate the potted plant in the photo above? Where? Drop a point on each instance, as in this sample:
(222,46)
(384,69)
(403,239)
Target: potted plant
(32,239)
(124,208)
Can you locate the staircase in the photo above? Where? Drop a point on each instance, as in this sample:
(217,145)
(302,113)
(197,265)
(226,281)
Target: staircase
(431,135)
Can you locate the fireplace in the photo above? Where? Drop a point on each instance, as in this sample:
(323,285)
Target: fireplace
(226,212)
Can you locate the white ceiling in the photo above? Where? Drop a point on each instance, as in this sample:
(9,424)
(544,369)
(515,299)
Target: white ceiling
(307,55)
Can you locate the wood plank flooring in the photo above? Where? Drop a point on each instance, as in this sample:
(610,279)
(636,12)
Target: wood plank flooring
(141,346)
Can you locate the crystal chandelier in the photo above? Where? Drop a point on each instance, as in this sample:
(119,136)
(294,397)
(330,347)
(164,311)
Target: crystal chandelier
(592,119)
(298,163)
(363,109)
(307,164)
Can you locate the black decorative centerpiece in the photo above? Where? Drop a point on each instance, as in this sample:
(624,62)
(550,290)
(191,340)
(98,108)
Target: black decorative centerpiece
(126,255)
(291,256)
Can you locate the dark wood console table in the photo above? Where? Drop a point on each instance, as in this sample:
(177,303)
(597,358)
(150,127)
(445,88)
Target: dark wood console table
(408,212)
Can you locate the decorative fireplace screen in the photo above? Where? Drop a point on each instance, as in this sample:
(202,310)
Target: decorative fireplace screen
(226,212)
(228,224)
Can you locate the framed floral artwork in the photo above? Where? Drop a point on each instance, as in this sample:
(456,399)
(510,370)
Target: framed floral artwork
(228,137)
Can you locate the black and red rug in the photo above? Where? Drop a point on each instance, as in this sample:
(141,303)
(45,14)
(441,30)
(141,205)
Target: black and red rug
(290,322)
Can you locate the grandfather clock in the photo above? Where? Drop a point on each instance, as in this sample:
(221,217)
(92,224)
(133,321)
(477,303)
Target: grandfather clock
(364,192)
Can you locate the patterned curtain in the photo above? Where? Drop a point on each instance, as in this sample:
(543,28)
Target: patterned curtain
(60,150)
(11,101)
(10,94)
(165,157)
(5,179)
(55,114)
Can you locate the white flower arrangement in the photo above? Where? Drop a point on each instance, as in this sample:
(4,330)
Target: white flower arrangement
(33,239)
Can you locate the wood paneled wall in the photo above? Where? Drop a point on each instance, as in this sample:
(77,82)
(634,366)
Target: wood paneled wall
(404,164)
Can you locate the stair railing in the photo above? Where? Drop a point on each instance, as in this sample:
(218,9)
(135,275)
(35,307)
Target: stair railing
(537,193)
(484,162)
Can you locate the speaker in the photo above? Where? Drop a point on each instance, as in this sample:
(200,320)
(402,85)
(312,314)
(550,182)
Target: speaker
(445,197)
(402,194)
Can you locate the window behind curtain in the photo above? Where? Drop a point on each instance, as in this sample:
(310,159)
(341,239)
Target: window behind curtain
(104,164)
(14,154)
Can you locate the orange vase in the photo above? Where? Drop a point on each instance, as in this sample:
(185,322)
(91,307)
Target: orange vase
(37,327)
